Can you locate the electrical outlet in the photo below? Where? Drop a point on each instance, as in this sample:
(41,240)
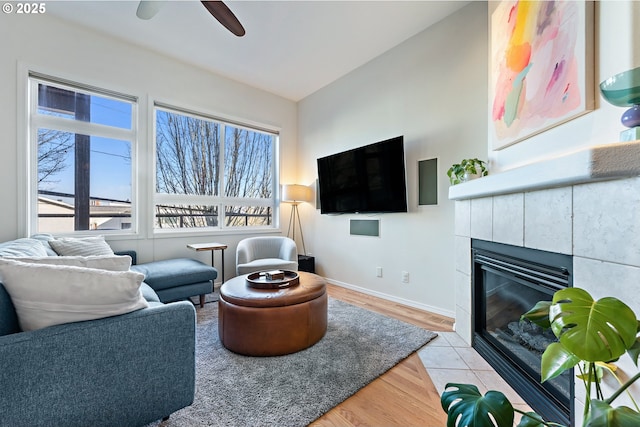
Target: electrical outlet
(378,271)
(405,277)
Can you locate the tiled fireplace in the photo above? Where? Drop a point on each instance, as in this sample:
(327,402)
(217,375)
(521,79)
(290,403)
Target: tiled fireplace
(589,210)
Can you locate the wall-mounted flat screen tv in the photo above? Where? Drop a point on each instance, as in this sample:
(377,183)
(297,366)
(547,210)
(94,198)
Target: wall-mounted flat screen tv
(369,179)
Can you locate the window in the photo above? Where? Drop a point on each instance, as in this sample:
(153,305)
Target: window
(81,143)
(211,173)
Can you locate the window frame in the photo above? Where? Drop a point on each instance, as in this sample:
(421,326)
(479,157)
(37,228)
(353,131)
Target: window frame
(35,121)
(220,201)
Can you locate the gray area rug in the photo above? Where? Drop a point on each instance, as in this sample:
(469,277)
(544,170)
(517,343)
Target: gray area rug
(294,390)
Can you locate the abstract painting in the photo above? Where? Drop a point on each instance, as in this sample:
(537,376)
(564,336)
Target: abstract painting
(541,67)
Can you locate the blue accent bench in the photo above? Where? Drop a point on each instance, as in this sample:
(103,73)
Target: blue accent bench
(179,278)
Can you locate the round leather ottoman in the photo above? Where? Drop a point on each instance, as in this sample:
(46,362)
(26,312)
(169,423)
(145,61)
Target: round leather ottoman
(272,322)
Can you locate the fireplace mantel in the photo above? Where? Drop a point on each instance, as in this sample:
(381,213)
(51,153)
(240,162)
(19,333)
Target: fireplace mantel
(596,163)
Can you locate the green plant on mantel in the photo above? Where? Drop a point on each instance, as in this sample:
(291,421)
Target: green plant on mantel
(591,336)
(466,170)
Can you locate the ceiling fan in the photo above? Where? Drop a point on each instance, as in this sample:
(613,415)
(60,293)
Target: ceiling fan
(147,9)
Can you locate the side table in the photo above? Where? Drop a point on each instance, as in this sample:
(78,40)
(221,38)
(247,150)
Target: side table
(306,263)
(213,247)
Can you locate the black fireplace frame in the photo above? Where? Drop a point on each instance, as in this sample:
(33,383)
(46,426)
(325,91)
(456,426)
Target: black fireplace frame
(552,267)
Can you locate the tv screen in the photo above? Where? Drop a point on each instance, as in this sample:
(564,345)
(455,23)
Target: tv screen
(369,179)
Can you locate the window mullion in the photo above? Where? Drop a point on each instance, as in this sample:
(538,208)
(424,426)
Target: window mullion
(83,128)
(246,201)
(32,158)
(222,175)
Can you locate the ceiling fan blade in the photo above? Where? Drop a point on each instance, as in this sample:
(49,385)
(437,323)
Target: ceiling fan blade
(147,9)
(223,14)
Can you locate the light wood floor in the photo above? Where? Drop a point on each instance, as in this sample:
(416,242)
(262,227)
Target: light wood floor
(405,395)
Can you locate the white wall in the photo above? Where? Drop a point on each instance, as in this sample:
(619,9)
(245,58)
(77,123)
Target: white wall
(617,49)
(433,90)
(48,45)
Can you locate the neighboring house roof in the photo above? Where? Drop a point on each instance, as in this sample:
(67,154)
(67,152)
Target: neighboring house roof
(102,215)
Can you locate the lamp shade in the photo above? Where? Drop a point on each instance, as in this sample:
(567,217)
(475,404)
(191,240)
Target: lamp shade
(296,193)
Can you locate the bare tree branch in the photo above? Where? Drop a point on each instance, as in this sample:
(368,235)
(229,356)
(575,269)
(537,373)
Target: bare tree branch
(53,148)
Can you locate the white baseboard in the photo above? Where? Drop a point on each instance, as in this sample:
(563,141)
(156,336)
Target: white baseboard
(407,302)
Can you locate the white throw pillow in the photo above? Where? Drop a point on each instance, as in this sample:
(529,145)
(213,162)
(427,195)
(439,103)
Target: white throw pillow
(102,262)
(85,246)
(45,295)
(44,239)
(22,247)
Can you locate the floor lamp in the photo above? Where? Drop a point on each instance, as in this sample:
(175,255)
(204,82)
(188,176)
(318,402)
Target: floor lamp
(295,194)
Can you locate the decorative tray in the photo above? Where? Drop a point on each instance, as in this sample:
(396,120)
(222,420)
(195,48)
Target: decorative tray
(262,280)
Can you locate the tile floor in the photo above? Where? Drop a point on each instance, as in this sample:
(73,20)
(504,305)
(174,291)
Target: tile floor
(448,359)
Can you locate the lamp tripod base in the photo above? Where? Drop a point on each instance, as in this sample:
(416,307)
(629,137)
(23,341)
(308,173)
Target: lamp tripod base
(293,221)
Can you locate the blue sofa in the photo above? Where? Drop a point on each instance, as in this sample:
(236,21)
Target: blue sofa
(125,370)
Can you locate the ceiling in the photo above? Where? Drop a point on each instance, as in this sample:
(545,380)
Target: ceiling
(291,48)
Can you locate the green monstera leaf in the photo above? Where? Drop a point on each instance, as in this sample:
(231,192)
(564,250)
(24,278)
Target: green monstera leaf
(634,351)
(603,415)
(555,360)
(466,407)
(594,331)
(532,420)
(539,314)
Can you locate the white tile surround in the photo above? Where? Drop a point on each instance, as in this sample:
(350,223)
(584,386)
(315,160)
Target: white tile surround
(598,222)
(449,359)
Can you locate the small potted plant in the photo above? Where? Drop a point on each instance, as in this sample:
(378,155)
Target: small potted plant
(466,170)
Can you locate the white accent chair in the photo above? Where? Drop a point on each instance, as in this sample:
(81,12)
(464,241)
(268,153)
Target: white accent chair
(266,253)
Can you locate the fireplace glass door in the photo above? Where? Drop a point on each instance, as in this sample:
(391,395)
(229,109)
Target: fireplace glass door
(505,287)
